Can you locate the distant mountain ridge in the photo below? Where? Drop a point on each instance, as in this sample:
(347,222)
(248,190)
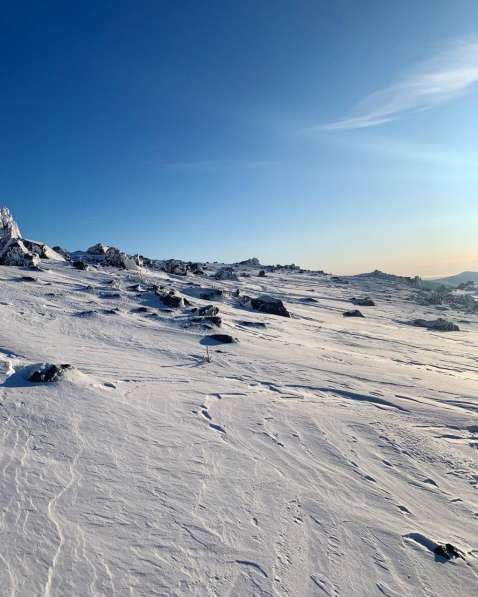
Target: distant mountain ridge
(458,279)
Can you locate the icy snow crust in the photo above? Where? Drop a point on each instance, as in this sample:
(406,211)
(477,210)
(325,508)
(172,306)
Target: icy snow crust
(318,456)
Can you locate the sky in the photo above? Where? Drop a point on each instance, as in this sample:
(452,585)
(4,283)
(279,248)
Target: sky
(338,135)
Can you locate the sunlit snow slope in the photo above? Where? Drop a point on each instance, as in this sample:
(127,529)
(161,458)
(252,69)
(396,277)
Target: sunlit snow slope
(320,456)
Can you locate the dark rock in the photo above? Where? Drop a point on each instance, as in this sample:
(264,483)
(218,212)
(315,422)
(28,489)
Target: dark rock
(81,265)
(339,280)
(140,310)
(220,338)
(309,299)
(440,325)
(206,311)
(448,551)
(187,303)
(252,262)
(208,319)
(48,373)
(63,252)
(353,313)
(262,274)
(363,302)
(226,273)
(28,279)
(253,324)
(136,288)
(267,304)
(170,299)
(110,295)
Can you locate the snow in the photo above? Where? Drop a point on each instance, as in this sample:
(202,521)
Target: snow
(319,455)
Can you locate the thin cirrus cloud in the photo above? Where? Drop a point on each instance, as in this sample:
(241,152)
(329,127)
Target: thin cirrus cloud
(445,76)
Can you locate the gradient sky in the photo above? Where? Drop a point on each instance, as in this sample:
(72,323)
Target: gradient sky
(335,134)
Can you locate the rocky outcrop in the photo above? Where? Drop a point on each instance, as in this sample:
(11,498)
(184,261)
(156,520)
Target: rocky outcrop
(252,262)
(98,249)
(116,258)
(12,249)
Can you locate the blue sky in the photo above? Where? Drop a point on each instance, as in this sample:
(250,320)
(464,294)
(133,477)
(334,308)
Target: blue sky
(338,135)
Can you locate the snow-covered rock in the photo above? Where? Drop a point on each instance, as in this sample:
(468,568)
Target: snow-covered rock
(226,273)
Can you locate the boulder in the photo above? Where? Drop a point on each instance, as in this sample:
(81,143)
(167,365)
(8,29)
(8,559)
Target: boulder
(170,299)
(266,304)
(363,302)
(262,274)
(206,311)
(220,339)
(208,319)
(353,313)
(48,373)
(81,265)
(226,273)
(440,325)
(42,250)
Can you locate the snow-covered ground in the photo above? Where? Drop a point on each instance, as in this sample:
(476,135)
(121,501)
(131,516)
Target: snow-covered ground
(321,455)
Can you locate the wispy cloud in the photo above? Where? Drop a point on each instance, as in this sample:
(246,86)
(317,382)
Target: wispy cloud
(443,77)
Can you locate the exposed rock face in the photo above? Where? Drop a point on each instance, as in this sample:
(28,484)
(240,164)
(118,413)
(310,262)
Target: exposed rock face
(226,273)
(8,226)
(42,250)
(63,252)
(440,324)
(207,310)
(14,252)
(98,249)
(266,304)
(116,258)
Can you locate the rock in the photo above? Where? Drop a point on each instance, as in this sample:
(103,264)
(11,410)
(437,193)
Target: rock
(14,252)
(221,338)
(116,258)
(28,279)
(197,269)
(12,248)
(42,250)
(98,249)
(339,280)
(81,265)
(207,311)
(48,373)
(440,325)
(353,313)
(448,551)
(253,324)
(66,255)
(266,304)
(363,302)
(208,319)
(8,227)
(136,288)
(170,299)
(262,274)
(252,262)
(309,299)
(226,273)
(140,310)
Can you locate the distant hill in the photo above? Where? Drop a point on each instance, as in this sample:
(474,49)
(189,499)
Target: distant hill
(458,278)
